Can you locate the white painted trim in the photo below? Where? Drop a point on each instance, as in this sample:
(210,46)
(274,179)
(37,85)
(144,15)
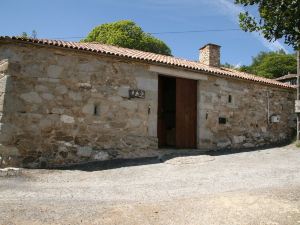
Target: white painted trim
(177,73)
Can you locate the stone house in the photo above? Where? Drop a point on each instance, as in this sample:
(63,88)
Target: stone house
(67,102)
(288,79)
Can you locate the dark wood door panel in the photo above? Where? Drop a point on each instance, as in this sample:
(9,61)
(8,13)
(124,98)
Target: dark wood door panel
(186,113)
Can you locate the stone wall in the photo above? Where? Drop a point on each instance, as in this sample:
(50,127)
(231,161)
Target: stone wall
(247,109)
(67,107)
(63,106)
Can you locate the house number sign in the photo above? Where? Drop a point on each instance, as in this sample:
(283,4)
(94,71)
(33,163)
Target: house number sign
(136,93)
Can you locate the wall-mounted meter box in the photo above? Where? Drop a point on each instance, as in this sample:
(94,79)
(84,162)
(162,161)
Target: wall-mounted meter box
(275,119)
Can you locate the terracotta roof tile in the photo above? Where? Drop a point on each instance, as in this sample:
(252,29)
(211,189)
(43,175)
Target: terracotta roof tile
(151,57)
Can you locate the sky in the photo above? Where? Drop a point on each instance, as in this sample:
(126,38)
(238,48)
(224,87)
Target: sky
(72,19)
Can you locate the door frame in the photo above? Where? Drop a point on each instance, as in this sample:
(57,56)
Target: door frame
(196,131)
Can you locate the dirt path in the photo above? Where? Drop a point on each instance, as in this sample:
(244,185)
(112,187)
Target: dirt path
(260,187)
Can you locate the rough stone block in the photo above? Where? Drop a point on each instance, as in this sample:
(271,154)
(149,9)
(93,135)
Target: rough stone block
(54,71)
(123,91)
(101,156)
(31,97)
(50,80)
(238,139)
(44,123)
(85,151)
(9,150)
(57,111)
(85,67)
(223,144)
(61,89)
(47,96)
(147,83)
(248,145)
(134,122)
(115,98)
(130,105)
(88,109)
(222,82)
(85,86)
(67,119)
(41,88)
(76,96)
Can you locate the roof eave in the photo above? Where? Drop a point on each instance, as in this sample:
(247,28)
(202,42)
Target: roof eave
(40,42)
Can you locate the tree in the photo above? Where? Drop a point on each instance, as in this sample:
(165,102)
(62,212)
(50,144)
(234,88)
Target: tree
(34,34)
(25,35)
(278,19)
(127,34)
(228,65)
(272,64)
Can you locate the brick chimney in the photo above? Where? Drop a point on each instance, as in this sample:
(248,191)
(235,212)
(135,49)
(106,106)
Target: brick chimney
(210,55)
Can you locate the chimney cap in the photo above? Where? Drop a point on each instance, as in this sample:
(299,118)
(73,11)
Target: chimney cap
(211,45)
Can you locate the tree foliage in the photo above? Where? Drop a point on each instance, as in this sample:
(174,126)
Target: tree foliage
(26,35)
(228,65)
(127,34)
(34,34)
(278,19)
(272,64)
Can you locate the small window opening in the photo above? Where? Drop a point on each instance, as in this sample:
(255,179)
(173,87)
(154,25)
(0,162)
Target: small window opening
(96,110)
(22,111)
(229,98)
(222,120)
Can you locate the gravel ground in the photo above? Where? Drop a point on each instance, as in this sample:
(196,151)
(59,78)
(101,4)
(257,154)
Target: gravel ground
(258,187)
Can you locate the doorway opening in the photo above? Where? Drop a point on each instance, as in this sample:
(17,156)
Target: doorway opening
(177,112)
(167,112)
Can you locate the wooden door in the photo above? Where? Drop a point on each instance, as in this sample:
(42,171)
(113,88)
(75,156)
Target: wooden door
(186,113)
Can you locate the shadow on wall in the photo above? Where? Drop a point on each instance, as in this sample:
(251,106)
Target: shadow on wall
(119,163)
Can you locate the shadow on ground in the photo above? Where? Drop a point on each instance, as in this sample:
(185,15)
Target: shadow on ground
(169,154)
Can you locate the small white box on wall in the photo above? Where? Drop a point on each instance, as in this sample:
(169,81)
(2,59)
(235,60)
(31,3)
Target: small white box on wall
(275,119)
